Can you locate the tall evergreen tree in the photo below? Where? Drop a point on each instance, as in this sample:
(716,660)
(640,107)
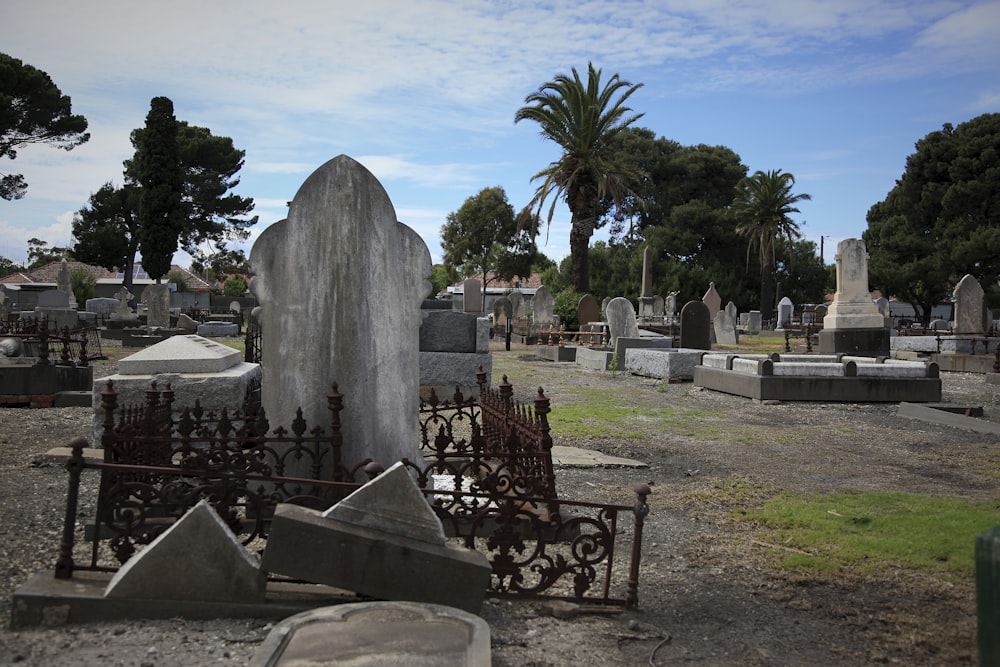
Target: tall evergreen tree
(161,177)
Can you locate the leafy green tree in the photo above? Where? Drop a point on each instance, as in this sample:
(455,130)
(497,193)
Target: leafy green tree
(680,207)
(762,205)
(108,230)
(223,263)
(483,236)
(800,272)
(941,221)
(559,278)
(32,111)
(441,277)
(582,118)
(8,267)
(160,175)
(177,278)
(83,285)
(567,307)
(234,286)
(40,254)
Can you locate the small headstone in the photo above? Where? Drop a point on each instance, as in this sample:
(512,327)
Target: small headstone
(732,311)
(659,306)
(157,300)
(670,305)
(755,322)
(725,328)
(198,558)
(696,326)
(235,307)
(503,310)
(472,294)
(604,305)
(517,305)
(543,306)
(712,300)
(969,309)
(102,307)
(588,311)
(123,311)
(620,316)
(786,309)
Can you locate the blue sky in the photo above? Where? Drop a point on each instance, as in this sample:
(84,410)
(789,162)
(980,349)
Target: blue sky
(423,92)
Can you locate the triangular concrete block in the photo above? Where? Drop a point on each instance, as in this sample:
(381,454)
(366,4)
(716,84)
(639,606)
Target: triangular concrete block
(181,354)
(391,503)
(196,559)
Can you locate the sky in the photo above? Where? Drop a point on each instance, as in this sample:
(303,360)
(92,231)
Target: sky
(423,93)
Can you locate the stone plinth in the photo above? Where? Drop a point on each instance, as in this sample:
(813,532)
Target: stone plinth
(181,354)
(863,342)
(669,365)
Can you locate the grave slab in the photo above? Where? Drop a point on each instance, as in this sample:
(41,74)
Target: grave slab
(376,634)
(181,354)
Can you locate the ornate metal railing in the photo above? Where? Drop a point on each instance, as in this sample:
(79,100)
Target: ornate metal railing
(487,470)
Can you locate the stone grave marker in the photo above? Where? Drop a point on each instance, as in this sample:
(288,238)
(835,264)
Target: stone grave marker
(670,305)
(53,298)
(713,300)
(604,305)
(852,306)
(696,326)
(543,306)
(356,322)
(472,296)
(659,306)
(123,312)
(503,310)
(755,322)
(102,307)
(516,304)
(725,327)
(969,310)
(157,300)
(620,315)
(785,311)
(587,311)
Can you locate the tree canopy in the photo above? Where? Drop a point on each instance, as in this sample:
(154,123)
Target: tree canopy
(941,221)
(762,205)
(108,231)
(32,111)
(483,236)
(581,118)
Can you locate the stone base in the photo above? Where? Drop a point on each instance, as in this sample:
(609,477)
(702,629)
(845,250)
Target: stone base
(858,342)
(305,545)
(598,360)
(669,365)
(820,388)
(556,353)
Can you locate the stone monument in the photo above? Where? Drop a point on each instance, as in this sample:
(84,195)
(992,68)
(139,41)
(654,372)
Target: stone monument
(340,284)
(853,323)
(970,318)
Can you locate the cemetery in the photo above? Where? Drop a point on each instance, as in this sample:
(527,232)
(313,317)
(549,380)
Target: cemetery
(361,462)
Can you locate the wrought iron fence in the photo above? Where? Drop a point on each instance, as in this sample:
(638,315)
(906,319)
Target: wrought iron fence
(487,470)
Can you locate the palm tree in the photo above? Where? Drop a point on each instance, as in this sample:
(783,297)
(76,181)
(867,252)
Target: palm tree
(581,117)
(762,204)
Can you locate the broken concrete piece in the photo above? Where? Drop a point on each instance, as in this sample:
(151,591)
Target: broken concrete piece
(196,559)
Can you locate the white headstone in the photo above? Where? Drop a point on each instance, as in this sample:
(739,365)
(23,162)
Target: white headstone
(852,306)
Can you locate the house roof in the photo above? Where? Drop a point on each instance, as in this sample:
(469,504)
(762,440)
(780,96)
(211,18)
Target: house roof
(49,274)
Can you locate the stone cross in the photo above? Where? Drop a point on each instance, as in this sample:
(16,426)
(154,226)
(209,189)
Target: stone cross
(340,283)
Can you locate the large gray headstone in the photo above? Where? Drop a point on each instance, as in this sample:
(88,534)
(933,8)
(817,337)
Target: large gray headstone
(340,283)
(620,315)
(102,306)
(157,300)
(543,306)
(696,326)
(448,331)
(472,295)
(53,299)
(588,311)
(517,304)
(969,306)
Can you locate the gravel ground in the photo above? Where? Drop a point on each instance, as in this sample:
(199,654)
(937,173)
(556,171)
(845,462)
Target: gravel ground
(711,591)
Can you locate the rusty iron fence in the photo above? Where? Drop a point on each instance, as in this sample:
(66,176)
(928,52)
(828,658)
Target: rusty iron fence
(63,347)
(487,471)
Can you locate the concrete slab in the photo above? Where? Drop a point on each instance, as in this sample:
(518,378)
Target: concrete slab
(936,415)
(556,353)
(370,634)
(574,457)
(667,364)
(181,354)
(598,360)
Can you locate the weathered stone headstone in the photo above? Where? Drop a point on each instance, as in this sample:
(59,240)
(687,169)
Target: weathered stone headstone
(755,322)
(53,298)
(969,310)
(713,300)
(587,311)
(102,307)
(123,312)
(853,323)
(696,326)
(517,304)
(157,300)
(732,311)
(472,296)
(786,309)
(503,310)
(355,322)
(659,306)
(725,328)
(64,283)
(620,316)
(543,306)
(670,305)
(604,305)
(235,307)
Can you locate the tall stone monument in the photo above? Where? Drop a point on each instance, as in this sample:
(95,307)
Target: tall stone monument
(853,323)
(969,307)
(340,283)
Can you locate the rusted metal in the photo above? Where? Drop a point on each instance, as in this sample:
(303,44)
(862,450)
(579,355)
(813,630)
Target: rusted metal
(487,470)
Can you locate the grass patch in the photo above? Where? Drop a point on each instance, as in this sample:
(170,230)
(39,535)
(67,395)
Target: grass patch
(867,532)
(592,412)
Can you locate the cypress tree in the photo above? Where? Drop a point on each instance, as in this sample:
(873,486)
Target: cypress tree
(161,178)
